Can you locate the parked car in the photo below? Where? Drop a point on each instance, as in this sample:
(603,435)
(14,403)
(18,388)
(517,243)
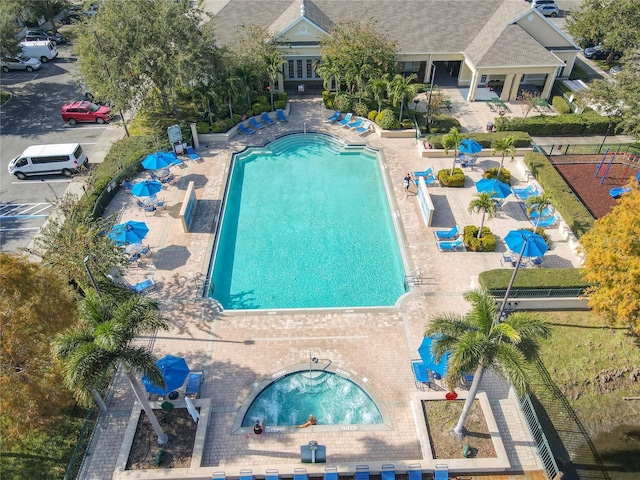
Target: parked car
(37,35)
(85,111)
(537,3)
(548,10)
(615,70)
(20,62)
(599,52)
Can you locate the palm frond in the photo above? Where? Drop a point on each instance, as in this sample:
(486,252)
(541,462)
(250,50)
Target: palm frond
(141,362)
(511,364)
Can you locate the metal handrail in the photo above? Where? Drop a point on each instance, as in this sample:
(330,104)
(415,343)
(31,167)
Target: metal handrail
(540,439)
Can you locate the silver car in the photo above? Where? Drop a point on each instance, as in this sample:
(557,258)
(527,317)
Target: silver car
(20,62)
(549,10)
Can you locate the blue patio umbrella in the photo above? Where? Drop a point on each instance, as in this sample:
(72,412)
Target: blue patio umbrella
(499,189)
(174,372)
(535,244)
(158,160)
(470,147)
(128,232)
(429,360)
(147,188)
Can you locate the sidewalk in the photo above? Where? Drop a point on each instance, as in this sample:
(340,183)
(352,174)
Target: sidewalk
(237,349)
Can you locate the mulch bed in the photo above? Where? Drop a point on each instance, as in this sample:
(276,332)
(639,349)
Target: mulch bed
(181,429)
(579,172)
(442,415)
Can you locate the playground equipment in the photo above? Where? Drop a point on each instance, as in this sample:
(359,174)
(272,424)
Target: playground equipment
(617,191)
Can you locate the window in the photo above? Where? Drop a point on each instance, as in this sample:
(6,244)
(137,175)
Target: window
(51,159)
(21,163)
(78,152)
(309,68)
(298,68)
(291,71)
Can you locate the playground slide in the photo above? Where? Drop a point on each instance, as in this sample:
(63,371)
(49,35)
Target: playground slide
(617,191)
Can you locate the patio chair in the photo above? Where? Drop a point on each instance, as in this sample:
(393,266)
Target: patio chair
(194,380)
(466,380)
(362,472)
(414,472)
(256,124)
(363,129)
(510,259)
(450,246)
(281,116)
(271,474)
(524,193)
(424,173)
(246,474)
(450,234)
(245,130)
(192,154)
(388,472)
(430,179)
(441,472)
(126,185)
(330,473)
(420,374)
(536,261)
(547,212)
(335,117)
(545,222)
(355,124)
(300,474)
(266,120)
(138,287)
(345,120)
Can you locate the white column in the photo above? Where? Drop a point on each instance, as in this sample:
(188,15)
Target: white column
(475,77)
(546,91)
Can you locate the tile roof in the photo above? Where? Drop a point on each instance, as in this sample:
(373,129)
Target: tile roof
(477,28)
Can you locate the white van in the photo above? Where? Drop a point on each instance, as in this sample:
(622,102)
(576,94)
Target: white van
(65,158)
(45,50)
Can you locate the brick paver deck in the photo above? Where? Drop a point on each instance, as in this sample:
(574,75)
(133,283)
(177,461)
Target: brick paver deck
(236,349)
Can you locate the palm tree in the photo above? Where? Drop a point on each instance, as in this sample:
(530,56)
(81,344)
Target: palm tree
(477,341)
(505,146)
(329,69)
(538,203)
(452,141)
(357,77)
(378,87)
(103,341)
(486,204)
(401,90)
(231,87)
(274,62)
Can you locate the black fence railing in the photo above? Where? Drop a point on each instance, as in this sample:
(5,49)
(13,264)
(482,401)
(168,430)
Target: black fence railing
(540,292)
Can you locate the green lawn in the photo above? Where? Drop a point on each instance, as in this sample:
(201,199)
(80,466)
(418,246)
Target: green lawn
(592,364)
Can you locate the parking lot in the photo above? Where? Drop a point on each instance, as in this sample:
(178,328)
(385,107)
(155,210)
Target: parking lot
(32,117)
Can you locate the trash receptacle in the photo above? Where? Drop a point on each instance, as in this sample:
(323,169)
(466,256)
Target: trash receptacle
(489,126)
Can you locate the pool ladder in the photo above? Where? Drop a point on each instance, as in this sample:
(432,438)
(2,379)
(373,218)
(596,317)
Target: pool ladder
(414,277)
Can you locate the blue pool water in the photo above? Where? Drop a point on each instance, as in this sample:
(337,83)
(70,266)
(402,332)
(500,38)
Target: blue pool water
(333,400)
(306,224)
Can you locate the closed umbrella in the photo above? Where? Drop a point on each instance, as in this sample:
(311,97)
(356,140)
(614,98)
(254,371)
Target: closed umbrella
(470,147)
(128,232)
(535,244)
(499,189)
(147,188)
(439,368)
(158,160)
(174,372)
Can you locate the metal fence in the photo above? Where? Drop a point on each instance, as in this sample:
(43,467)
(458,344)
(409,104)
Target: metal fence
(540,439)
(593,149)
(84,440)
(540,292)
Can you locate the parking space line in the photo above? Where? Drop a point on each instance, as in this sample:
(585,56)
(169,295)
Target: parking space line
(40,182)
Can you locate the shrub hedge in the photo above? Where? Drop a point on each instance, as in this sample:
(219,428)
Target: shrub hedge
(532,278)
(505,175)
(570,207)
(486,243)
(442,123)
(447,180)
(587,123)
(560,104)
(122,161)
(523,139)
(387,119)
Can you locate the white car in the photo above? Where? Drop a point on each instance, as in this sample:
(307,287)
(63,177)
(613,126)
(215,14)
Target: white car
(21,62)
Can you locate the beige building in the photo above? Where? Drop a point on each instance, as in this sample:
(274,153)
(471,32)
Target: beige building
(502,46)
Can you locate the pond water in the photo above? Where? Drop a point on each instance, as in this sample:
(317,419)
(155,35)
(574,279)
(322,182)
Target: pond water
(620,451)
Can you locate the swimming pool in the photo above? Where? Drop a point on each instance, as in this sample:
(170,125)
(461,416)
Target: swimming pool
(306,224)
(332,399)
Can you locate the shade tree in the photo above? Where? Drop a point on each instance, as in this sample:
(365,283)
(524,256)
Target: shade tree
(35,303)
(612,262)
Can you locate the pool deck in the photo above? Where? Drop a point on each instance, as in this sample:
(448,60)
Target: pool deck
(237,349)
